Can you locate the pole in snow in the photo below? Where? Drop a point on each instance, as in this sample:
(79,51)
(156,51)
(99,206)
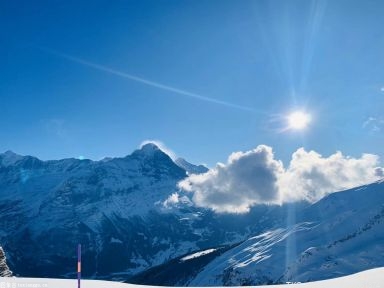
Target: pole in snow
(78,265)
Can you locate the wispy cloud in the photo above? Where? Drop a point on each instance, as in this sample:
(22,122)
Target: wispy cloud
(143,80)
(374,124)
(56,127)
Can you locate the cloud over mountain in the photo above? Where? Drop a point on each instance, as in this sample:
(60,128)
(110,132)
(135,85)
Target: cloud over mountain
(248,178)
(310,176)
(256,177)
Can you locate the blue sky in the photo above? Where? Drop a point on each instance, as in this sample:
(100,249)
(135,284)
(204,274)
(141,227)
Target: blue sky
(96,78)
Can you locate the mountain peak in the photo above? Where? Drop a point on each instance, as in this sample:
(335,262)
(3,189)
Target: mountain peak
(9,153)
(9,157)
(149,147)
(191,168)
(149,150)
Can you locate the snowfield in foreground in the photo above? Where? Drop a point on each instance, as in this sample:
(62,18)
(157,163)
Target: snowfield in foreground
(373,278)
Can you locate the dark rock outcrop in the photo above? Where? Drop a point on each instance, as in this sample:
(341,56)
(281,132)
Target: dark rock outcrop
(4,269)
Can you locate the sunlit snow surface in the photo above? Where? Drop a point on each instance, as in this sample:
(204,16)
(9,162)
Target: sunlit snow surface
(198,254)
(373,278)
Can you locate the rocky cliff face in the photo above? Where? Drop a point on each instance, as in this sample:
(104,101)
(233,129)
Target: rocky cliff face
(4,270)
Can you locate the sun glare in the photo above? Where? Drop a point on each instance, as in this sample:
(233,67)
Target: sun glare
(298,120)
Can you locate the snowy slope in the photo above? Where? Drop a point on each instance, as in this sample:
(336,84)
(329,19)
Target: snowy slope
(373,278)
(339,235)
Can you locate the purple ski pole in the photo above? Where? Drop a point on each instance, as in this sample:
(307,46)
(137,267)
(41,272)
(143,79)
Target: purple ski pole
(78,265)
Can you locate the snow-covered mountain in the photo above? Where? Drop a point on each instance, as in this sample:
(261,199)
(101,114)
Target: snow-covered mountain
(189,167)
(114,208)
(110,206)
(132,220)
(339,235)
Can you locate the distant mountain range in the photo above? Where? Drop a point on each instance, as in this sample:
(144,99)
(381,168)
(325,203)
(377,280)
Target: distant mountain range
(117,208)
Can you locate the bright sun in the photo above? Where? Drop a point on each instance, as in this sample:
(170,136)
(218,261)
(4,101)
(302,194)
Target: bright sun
(298,120)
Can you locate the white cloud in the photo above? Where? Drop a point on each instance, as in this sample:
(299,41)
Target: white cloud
(311,176)
(172,200)
(248,178)
(162,147)
(379,172)
(175,200)
(255,177)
